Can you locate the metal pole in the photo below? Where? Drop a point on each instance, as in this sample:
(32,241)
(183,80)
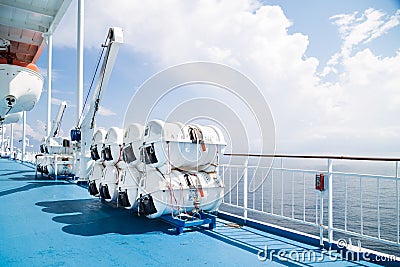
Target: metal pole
(361,209)
(345,203)
(49,73)
(23,135)
(12,140)
(330,201)
(378,200)
(55,167)
(397,202)
(281,186)
(245,185)
(81,5)
(321,218)
(2,139)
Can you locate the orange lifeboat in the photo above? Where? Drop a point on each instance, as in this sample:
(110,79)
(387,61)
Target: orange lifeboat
(26,65)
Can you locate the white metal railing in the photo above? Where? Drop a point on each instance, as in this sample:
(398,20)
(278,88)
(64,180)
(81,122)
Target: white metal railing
(29,157)
(353,203)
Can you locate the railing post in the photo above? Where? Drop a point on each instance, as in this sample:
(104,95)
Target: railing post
(245,189)
(23,135)
(12,141)
(55,167)
(321,218)
(282,187)
(330,201)
(397,202)
(35,166)
(2,139)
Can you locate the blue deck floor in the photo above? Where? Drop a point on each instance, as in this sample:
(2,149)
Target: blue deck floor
(56,223)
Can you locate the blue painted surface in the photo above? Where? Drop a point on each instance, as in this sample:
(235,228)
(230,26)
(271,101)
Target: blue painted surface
(57,223)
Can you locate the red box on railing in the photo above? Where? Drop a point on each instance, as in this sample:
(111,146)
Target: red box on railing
(319,182)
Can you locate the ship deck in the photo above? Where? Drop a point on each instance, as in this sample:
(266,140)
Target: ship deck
(56,223)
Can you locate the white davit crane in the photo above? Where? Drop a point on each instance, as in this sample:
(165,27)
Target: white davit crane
(56,122)
(86,127)
(56,155)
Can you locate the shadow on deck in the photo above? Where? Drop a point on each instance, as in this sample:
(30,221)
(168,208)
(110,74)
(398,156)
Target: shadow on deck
(29,186)
(91,217)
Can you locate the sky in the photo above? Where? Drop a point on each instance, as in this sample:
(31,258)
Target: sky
(329,70)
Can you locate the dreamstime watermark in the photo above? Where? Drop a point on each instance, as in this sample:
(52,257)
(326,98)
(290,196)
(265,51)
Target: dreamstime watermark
(342,253)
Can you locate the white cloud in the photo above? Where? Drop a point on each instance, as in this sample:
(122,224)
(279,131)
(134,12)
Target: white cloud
(56,101)
(106,112)
(361,108)
(55,73)
(37,133)
(310,112)
(41,127)
(355,30)
(63,92)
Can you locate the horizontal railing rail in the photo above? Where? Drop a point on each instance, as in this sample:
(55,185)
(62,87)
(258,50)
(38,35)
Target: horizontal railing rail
(312,157)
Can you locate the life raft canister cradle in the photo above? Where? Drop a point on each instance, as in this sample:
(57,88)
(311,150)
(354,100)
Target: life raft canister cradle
(198,219)
(62,167)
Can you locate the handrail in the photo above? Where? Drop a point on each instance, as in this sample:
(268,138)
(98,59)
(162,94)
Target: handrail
(311,157)
(249,198)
